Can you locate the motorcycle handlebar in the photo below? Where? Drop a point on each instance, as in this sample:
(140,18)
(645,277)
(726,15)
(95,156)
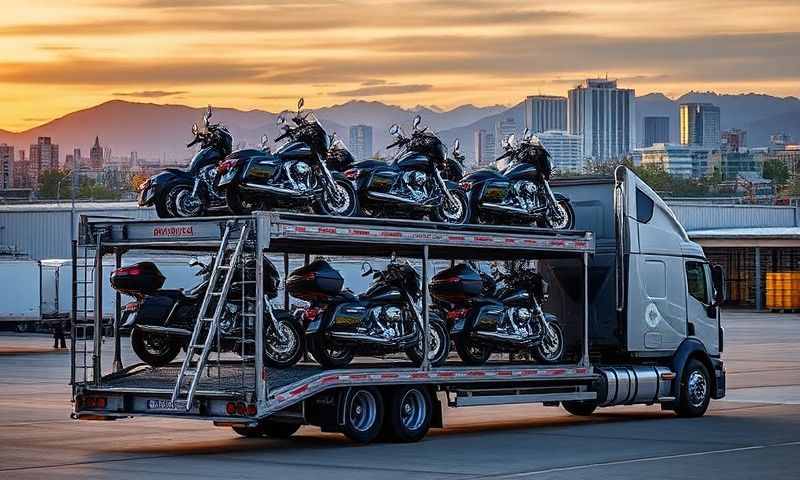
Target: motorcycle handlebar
(283,135)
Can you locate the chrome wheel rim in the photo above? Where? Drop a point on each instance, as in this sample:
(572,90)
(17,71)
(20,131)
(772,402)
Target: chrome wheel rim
(697,388)
(559,218)
(551,344)
(412,410)
(434,344)
(186,204)
(453,212)
(339,203)
(155,345)
(363,411)
(279,350)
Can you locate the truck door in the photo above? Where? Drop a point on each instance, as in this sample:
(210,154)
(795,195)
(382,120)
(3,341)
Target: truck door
(701,314)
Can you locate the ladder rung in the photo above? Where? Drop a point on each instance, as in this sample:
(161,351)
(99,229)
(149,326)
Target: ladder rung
(199,345)
(248,340)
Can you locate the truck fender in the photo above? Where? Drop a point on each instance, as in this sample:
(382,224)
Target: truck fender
(690,348)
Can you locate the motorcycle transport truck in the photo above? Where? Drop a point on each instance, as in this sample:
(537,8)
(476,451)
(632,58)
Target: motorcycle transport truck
(636,300)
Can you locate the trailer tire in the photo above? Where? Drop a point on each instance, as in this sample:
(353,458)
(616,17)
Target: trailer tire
(408,414)
(363,414)
(695,394)
(580,408)
(248,432)
(279,429)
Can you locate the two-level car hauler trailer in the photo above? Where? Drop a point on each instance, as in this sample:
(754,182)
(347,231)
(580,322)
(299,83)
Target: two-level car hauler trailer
(624,288)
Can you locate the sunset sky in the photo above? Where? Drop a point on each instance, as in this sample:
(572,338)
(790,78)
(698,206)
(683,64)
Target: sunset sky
(60,56)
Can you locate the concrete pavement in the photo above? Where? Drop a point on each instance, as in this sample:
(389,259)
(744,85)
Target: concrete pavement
(756,434)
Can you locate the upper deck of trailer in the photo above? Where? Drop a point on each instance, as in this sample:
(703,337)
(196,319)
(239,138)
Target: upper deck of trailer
(302,233)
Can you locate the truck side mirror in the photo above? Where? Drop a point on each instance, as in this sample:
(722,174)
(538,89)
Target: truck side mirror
(718,281)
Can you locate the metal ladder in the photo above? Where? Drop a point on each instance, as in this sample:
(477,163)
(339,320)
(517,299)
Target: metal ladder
(222,263)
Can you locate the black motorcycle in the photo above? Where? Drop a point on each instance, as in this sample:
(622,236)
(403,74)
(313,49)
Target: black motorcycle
(412,185)
(385,319)
(484,319)
(519,193)
(162,320)
(177,192)
(297,175)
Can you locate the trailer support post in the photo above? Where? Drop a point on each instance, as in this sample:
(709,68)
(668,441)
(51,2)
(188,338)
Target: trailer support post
(262,231)
(74,314)
(585,355)
(426,318)
(98,311)
(285,276)
(117,366)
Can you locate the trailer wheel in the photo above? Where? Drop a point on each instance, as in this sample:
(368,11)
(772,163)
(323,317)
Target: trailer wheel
(408,415)
(695,390)
(279,429)
(248,432)
(363,414)
(580,408)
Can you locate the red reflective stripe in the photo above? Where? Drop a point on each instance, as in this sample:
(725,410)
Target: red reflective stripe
(483,239)
(327,230)
(298,390)
(330,379)
(390,234)
(390,375)
(505,373)
(362,233)
(446,374)
(420,375)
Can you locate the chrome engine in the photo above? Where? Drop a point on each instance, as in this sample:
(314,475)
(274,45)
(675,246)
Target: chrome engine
(300,176)
(385,322)
(208,175)
(525,194)
(520,322)
(414,183)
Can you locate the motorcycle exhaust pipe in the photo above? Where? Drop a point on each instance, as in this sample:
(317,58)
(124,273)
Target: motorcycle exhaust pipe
(178,332)
(279,190)
(505,338)
(393,198)
(362,337)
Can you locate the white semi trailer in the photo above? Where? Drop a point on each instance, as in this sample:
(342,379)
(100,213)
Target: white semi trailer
(638,301)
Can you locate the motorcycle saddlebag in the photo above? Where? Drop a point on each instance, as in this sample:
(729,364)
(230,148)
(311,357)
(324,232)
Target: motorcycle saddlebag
(315,281)
(143,277)
(456,284)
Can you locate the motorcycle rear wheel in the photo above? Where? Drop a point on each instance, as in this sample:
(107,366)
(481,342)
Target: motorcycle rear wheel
(161,208)
(470,352)
(153,349)
(327,355)
(238,205)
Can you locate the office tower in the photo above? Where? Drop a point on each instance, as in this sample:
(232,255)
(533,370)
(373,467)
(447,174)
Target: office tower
(485,147)
(565,149)
(6,166)
(545,112)
(502,129)
(96,155)
(656,130)
(605,116)
(361,142)
(700,125)
(733,140)
(43,156)
(680,160)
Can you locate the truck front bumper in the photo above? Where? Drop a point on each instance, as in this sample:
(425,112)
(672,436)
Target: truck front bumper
(719,375)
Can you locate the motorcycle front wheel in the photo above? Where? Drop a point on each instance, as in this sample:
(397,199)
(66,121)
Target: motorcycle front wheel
(439,346)
(285,348)
(154,349)
(562,218)
(552,347)
(238,204)
(329,355)
(457,214)
(344,204)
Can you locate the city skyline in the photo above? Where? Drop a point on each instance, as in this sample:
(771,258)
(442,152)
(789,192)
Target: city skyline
(400,52)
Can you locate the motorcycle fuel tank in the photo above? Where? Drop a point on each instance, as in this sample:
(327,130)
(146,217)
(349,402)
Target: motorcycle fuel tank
(203,158)
(412,161)
(522,171)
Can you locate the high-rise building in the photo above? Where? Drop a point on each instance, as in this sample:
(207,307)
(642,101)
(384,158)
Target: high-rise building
(656,130)
(733,140)
(485,147)
(502,129)
(6,166)
(43,156)
(76,158)
(96,155)
(21,175)
(565,149)
(545,112)
(780,139)
(361,142)
(700,125)
(605,116)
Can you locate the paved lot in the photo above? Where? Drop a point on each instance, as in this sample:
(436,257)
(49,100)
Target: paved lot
(755,433)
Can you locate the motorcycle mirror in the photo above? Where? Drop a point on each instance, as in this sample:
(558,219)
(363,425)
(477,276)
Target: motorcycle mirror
(281,119)
(456,145)
(207,116)
(194,262)
(264,141)
(417,121)
(195,129)
(300,103)
(394,129)
(285,128)
(366,267)
(510,140)
(527,135)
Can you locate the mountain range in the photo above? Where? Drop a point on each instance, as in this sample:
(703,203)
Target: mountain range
(162,131)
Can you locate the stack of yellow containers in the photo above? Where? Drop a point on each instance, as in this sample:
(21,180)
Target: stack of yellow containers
(783,290)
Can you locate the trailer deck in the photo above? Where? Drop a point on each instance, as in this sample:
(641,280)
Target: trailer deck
(131,391)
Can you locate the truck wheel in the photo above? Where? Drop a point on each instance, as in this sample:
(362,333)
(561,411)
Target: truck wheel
(329,356)
(580,408)
(408,416)
(154,349)
(363,415)
(248,432)
(471,352)
(439,345)
(695,390)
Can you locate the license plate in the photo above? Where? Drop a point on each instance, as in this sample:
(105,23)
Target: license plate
(167,406)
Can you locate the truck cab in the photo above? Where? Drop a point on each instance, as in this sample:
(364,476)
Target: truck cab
(654,297)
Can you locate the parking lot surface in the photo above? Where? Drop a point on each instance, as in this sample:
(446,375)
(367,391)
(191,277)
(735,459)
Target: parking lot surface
(754,433)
